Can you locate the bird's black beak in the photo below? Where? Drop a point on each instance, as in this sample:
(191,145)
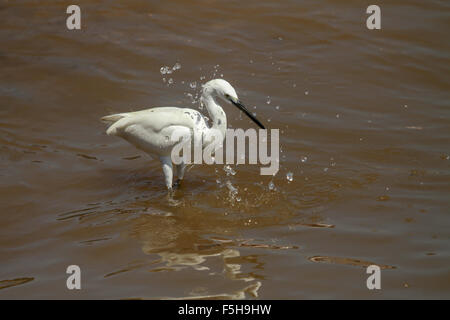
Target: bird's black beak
(244,109)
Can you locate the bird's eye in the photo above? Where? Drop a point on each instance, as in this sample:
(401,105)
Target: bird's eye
(227,95)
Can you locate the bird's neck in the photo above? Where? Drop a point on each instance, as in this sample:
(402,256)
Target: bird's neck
(216,113)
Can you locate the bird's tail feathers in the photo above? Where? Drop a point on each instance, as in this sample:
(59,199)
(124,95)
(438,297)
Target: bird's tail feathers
(113,117)
(112,120)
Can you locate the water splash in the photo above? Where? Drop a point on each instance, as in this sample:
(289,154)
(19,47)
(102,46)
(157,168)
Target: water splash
(229,170)
(165,70)
(233,192)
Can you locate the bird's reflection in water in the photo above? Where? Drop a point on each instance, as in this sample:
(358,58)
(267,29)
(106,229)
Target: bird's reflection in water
(181,247)
(190,252)
(176,261)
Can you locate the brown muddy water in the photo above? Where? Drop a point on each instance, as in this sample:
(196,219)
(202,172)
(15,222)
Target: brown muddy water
(364,131)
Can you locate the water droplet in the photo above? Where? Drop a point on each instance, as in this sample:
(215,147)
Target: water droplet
(306,93)
(277,107)
(176,66)
(170,81)
(268,100)
(271,186)
(290,176)
(193,85)
(303,159)
(325,169)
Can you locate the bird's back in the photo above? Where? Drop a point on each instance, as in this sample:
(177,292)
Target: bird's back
(151,129)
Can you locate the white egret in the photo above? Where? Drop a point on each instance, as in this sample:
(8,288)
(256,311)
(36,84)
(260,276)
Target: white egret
(151,130)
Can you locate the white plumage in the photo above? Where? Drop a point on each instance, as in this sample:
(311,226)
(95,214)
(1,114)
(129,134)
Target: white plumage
(151,130)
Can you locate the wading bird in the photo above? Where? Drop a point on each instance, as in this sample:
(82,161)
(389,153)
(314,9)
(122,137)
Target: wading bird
(151,130)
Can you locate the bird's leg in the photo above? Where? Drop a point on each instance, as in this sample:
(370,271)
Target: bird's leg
(180,173)
(166,163)
(168,175)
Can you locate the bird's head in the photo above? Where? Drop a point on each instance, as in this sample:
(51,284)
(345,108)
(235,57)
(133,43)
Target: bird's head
(222,89)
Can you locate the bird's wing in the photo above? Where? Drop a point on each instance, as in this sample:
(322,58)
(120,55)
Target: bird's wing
(155,119)
(157,130)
